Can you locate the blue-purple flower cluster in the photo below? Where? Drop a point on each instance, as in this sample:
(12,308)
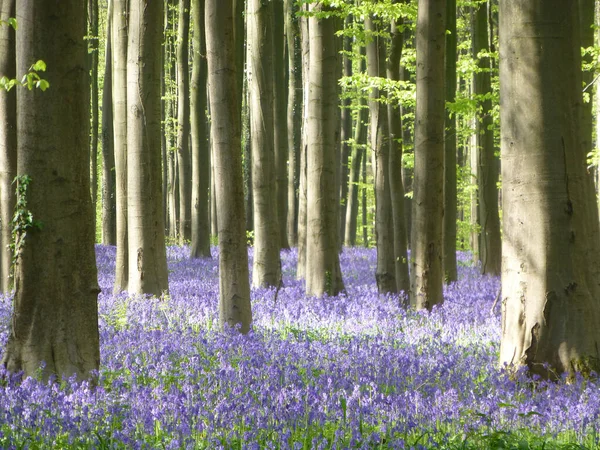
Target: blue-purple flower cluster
(359,370)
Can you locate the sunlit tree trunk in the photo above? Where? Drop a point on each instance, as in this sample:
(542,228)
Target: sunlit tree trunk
(385,273)
(428,184)
(119,89)
(234,287)
(55,315)
(266,269)
(345,132)
(200,147)
(586,20)
(183,123)
(93,68)
(146,225)
(8,143)
(450,188)
(323,273)
(551,240)
(489,219)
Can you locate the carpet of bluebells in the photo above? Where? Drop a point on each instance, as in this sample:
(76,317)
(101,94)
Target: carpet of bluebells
(355,371)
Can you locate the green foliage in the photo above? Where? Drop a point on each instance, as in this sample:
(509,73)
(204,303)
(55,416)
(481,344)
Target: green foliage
(30,80)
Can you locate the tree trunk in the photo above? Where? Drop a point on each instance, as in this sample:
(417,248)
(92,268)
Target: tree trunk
(586,18)
(8,143)
(385,273)
(428,184)
(450,188)
(266,268)
(234,288)
(93,67)
(280,121)
(346,131)
(323,273)
(147,252)
(395,164)
(489,219)
(109,207)
(119,90)
(183,123)
(294,120)
(551,242)
(200,146)
(55,316)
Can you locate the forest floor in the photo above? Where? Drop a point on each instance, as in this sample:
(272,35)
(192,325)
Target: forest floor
(354,371)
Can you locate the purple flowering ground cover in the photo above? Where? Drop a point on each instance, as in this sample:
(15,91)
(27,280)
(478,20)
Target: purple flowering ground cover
(354,371)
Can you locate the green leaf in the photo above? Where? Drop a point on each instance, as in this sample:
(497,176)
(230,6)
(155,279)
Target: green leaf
(12,22)
(39,66)
(43,85)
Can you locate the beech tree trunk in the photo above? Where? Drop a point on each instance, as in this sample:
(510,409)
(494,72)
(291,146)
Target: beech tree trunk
(489,219)
(119,90)
(428,184)
(8,143)
(55,315)
(266,269)
(450,187)
(323,273)
(551,241)
(109,207)
(93,68)
(234,287)
(200,146)
(183,123)
(395,164)
(586,20)
(345,132)
(146,225)
(385,273)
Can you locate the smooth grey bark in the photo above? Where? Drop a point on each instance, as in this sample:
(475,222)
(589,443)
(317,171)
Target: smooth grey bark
(395,163)
(8,143)
(109,206)
(551,240)
(119,90)
(302,199)
(488,165)
(450,182)
(55,313)
(200,246)
(183,123)
(234,287)
(428,184)
(280,135)
(323,273)
(266,269)
(345,131)
(358,153)
(94,46)
(294,120)
(146,224)
(385,273)
(586,20)
(365,231)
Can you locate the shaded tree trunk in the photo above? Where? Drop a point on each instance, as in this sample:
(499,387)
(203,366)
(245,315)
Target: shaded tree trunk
(234,288)
(323,273)
(55,316)
(346,131)
(146,225)
(586,18)
(266,268)
(200,146)
(551,241)
(489,219)
(93,62)
(119,90)
(183,123)
(428,184)
(8,143)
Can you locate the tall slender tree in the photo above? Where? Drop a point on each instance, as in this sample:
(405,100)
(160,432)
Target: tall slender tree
(200,246)
(55,315)
(8,142)
(119,89)
(234,286)
(323,273)
(266,268)
(146,224)
(586,21)
(183,123)
(428,184)
(551,237)
(345,128)
(94,46)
